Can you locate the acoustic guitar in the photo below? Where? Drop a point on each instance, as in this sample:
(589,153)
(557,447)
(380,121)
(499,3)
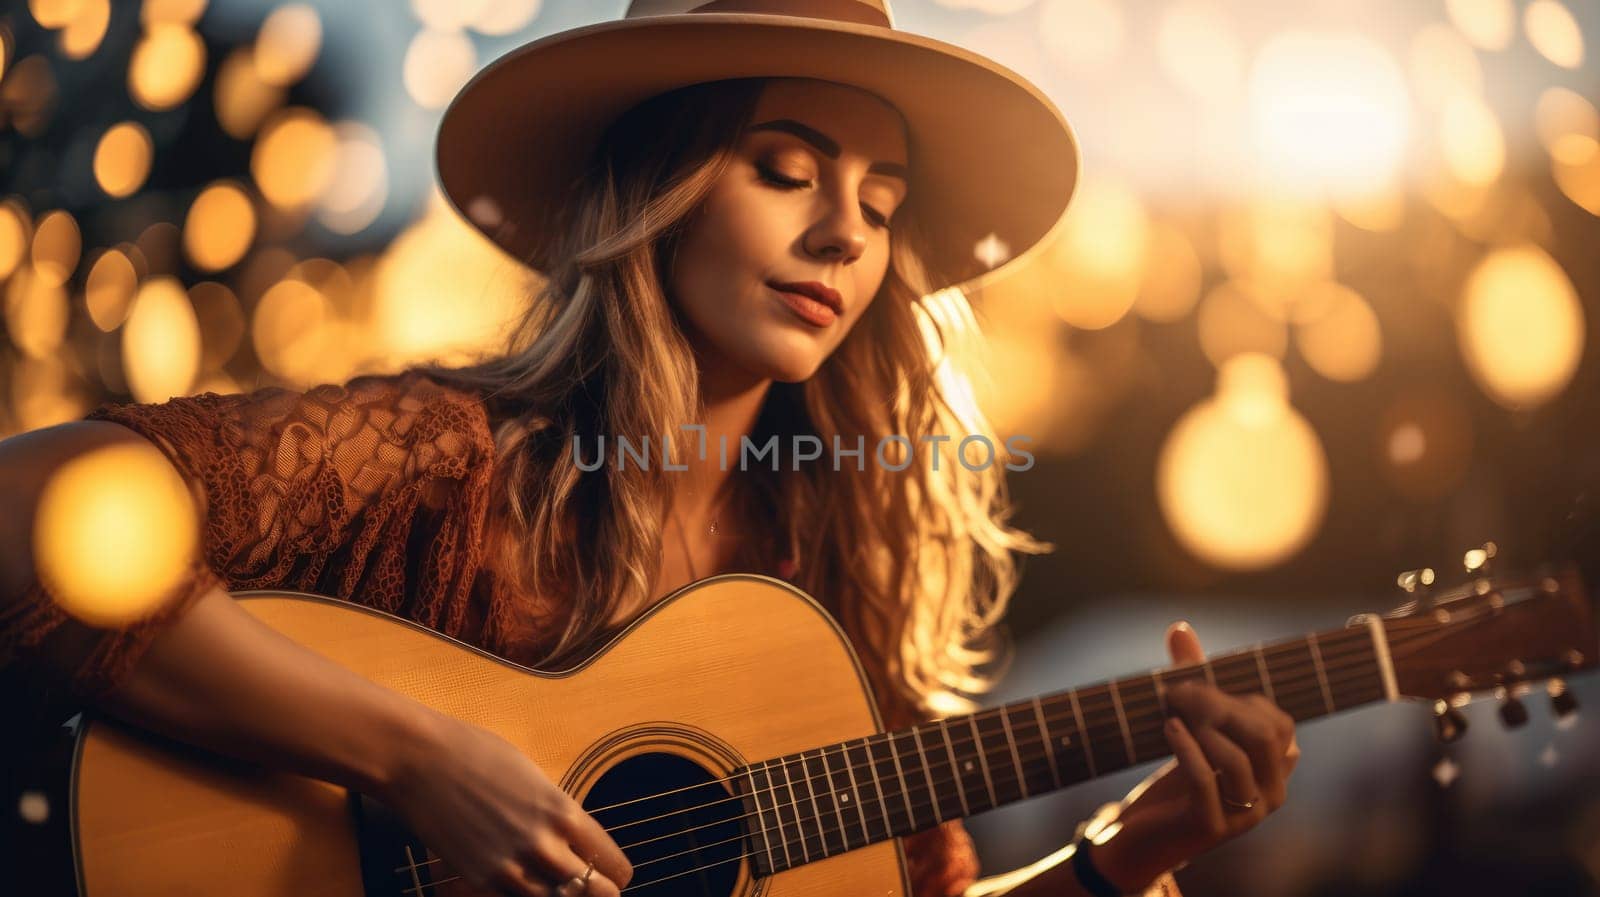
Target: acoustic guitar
(728,742)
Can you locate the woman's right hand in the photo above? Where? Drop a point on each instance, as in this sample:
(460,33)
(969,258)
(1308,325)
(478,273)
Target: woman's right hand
(497,820)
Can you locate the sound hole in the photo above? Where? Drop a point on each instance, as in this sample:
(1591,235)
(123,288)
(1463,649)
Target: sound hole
(680,826)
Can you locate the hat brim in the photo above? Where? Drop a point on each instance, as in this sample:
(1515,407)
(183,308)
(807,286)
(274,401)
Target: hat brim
(991,152)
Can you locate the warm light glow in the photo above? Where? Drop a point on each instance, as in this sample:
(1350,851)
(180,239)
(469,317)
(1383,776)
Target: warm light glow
(504,16)
(173,12)
(1172,276)
(29,92)
(1230,323)
(83,34)
(290,330)
(222,324)
(1520,326)
(1242,479)
(1425,443)
(242,99)
(1561,112)
(35,313)
(360,181)
(1576,166)
(294,158)
(115,534)
(1554,33)
(1100,254)
(14,236)
(160,342)
(54,13)
(443,289)
(122,159)
(56,245)
(110,290)
(1486,23)
(437,64)
(1278,247)
(1381,211)
(1340,339)
(166,66)
(45,392)
(288,44)
(220,227)
(1470,140)
(1443,64)
(1084,35)
(448,15)
(1327,112)
(1199,50)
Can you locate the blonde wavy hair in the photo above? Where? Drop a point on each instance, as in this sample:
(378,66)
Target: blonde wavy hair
(915,565)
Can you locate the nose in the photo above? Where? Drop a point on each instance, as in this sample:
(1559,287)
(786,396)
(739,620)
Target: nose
(839,236)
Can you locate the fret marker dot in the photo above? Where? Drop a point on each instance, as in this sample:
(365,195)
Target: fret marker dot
(1066,742)
(844,798)
(967,766)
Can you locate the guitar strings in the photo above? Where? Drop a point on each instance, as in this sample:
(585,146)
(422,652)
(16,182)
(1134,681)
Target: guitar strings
(1300,684)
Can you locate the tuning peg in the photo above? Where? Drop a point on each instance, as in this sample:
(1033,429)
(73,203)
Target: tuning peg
(1479,561)
(1448,722)
(1512,712)
(1562,702)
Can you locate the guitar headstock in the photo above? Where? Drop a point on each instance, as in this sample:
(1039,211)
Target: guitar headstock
(1491,635)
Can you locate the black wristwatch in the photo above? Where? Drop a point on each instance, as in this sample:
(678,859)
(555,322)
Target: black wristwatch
(1088,876)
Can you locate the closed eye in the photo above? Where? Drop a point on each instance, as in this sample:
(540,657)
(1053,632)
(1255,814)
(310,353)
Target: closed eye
(878,219)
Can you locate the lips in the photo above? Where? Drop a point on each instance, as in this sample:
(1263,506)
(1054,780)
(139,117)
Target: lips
(813,290)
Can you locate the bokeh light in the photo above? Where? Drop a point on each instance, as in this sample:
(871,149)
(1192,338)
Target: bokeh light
(55,13)
(46,391)
(1488,24)
(360,181)
(35,313)
(1424,443)
(122,159)
(1520,326)
(1199,49)
(1470,140)
(243,101)
(1242,478)
(56,246)
(294,158)
(1337,333)
(222,323)
(1172,276)
(16,231)
(160,342)
(504,16)
(115,534)
(171,12)
(83,34)
(449,15)
(166,66)
(1232,323)
(1554,33)
(437,63)
(1327,112)
(220,227)
(110,289)
(1100,252)
(1443,64)
(288,44)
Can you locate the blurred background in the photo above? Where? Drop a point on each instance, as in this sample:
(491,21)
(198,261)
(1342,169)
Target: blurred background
(1323,311)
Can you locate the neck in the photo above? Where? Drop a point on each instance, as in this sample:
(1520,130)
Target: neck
(730,403)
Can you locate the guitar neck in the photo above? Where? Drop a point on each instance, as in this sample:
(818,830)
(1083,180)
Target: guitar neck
(827,800)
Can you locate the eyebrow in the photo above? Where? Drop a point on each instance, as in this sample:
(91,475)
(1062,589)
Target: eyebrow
(827,145)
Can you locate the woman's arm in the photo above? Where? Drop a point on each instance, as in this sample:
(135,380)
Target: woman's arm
(216,677)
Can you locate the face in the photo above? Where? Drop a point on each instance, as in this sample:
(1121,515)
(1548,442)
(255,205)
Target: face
(808,198)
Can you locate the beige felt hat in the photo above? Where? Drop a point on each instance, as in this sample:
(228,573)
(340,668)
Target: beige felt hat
(990,154)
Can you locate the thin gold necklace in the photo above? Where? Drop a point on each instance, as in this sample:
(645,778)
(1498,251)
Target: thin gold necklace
(683,537)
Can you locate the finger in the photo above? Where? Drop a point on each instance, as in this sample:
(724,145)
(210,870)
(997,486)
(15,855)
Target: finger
(1248,727)
(514,878)
(1183,644)
(590,840)
(1292,755)
(1237,783)
(1202,781)
(572,881)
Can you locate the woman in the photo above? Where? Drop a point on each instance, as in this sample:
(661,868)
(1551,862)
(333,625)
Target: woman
(676,294)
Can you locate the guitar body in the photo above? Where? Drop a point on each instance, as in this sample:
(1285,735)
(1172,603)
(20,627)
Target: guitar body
(724,673)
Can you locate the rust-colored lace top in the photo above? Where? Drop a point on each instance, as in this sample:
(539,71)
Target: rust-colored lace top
(375,492)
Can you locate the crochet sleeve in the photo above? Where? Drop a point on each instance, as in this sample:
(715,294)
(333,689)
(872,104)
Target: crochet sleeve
(371,491)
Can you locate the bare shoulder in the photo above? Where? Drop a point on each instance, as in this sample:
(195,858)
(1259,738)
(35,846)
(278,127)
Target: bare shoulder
(26,459)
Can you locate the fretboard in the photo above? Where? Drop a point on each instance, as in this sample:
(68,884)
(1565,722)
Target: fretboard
(825,801)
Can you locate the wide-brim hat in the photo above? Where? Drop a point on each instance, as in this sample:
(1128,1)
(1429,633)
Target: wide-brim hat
(991,157)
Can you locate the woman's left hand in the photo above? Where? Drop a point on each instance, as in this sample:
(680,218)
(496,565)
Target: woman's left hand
(1230,751)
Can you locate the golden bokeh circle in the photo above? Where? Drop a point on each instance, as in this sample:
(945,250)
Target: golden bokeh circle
(166,67)
(122,159)
(220,227)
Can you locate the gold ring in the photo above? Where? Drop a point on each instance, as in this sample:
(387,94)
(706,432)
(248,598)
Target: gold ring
(1235,805)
